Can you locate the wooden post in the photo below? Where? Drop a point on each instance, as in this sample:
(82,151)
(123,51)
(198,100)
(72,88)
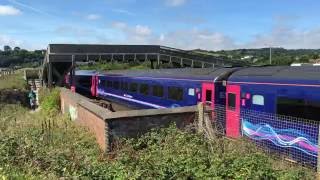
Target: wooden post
(200,107)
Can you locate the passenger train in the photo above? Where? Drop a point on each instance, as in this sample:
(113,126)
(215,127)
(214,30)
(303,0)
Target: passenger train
(285,90)
(246,100)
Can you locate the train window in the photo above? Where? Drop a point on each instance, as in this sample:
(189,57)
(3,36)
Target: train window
(157,90)
(299,108)
(124,86)
(175,93)
(108,84)
(258,100)
(231,101)
(144,89)
(133,87)
(84,81)
(208,95)
(191,92)
(116,85)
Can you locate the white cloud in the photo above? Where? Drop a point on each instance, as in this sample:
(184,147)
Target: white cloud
(287,38)
(6,40)
(123,11)
(119,25)
(93,17)
(175,3)
(142,30)
(138,34)
(32,8)
(193,39)
(9,10)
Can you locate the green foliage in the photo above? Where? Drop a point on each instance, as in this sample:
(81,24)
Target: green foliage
(20,57)
(115,66)
(280,56)
(30,150)
(175,154)
(49,100)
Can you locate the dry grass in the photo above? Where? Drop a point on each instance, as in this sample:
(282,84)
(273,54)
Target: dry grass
(13,81)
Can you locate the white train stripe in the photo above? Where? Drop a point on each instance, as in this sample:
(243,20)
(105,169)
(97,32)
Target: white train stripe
(132,100)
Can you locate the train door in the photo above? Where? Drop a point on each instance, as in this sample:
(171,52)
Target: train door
(94,83)
(208,94)
(233,111)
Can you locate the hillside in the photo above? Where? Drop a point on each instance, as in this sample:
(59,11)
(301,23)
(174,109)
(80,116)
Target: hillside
(19,57)
(280,56)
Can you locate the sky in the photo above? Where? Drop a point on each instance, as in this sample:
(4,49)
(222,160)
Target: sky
(186,24)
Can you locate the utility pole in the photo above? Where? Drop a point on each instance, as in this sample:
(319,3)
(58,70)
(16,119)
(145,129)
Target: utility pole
(270,56)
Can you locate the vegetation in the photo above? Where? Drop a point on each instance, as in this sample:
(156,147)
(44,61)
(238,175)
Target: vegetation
(47,144)
(14,81)
(115,66)
(19,57)
(280,56)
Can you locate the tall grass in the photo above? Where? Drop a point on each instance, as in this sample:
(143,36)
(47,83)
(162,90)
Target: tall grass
(13,81)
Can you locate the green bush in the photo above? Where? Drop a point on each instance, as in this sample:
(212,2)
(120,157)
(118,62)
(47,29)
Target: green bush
(116,66)
(49,100)
(35,146)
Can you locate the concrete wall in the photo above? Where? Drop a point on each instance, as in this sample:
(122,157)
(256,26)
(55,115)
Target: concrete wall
(108,126)
(90,117)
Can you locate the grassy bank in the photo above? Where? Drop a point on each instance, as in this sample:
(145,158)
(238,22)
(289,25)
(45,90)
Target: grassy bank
(14,81)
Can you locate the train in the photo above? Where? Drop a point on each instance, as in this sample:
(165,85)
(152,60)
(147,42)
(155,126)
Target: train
(275,105)
(285,90)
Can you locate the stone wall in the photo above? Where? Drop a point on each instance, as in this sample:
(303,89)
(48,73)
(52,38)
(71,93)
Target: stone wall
(89,116)
(108,126)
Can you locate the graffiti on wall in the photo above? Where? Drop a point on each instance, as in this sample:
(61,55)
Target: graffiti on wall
(284,138)
(73,113)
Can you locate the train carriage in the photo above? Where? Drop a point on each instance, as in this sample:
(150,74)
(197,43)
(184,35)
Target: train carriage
(82,82)
(276,106)
(164,88)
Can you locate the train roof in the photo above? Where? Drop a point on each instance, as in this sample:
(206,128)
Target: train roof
(190,73)
(278,73)
(85,72)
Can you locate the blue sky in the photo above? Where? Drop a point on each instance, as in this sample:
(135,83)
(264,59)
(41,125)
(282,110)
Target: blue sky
(187,24)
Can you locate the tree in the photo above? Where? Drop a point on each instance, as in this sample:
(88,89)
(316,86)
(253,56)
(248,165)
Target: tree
(7,48)
(17,49)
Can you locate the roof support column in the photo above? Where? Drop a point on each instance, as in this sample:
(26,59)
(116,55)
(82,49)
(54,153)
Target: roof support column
(181,62)
(49,74)
(202,64)
(158,61)
(112,58)
(135,58)
(72,72)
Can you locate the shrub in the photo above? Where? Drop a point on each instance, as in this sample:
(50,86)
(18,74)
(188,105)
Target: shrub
(50,100)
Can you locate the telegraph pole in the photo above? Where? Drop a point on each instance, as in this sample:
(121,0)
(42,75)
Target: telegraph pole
(270,56)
